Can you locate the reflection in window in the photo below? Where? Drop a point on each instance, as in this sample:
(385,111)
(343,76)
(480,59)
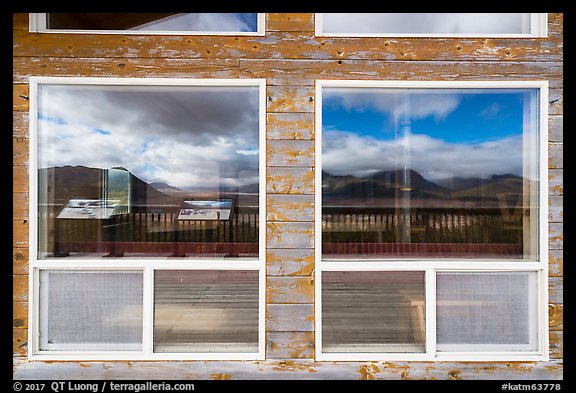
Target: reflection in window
(429,173)
(148,171)
(426,23)
(373,312)
(205,311)
(208,22)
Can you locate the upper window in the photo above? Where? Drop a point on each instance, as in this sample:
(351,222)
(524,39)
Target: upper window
(431,25)
(148,171)
(150,23)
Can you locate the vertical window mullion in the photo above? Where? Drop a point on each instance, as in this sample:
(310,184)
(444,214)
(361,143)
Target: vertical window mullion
(430,296)
(148,312)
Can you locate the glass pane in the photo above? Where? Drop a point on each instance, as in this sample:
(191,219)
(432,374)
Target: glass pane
(429,173)
(205,311)
(427,23)
(90,311)
(373,312)
(486,311)
(148,171)
(209,22)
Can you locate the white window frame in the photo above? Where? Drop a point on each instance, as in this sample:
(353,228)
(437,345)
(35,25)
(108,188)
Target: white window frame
(538,29)
(146,265)
(37,24)
(436,265)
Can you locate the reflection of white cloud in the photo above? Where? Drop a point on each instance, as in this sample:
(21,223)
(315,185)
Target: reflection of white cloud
(490,111)
(199,22)
(185,137)
(448,23)
(394,104)
(348,153)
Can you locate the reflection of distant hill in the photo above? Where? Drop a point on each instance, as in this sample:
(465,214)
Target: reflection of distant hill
(384,188)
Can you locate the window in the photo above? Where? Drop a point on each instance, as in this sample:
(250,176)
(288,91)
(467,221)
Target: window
(431,220)
(431,25)
(150,23)
(147,202)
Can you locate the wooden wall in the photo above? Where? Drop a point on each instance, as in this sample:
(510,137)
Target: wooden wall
(291,58)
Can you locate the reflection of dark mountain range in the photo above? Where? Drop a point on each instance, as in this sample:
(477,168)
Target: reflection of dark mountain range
(384,187)
(80,182)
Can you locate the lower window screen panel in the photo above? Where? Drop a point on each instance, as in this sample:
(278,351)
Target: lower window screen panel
(486,311)
(206,311)
(373,312)
(90,311)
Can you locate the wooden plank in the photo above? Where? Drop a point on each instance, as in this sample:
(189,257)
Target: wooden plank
(20,288)
(20,233)
(556,316)
(556,344)
(290,99)
(556,128)
(289,318)
(555,101)
(290,153)
(289,262)
(555,208)
(19,342)
(289,22)
(20,124)
(24,67)
(20,149)
(555,290)
(288,45)
(290,180)
(306,72)
(20,21)
(556,262)
(287,369)
(290,235)
(20,206)
(555,156)
(289,290)
(20,97)
(555,182)
(290,345)
(555,236)
(290,126)
(280,207)
(20,178)
(20,258)
(20,315)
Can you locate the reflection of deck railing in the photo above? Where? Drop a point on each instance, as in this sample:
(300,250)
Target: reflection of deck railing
(465,231)
(157,230)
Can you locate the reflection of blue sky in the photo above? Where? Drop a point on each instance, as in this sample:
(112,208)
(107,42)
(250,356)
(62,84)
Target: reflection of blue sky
(478,117)
(441,134)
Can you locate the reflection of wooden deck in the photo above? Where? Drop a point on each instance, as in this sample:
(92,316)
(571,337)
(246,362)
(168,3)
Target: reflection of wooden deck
(376,316)
(199,311)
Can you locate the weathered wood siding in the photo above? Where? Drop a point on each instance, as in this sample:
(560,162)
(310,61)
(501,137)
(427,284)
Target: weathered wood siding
(291,58)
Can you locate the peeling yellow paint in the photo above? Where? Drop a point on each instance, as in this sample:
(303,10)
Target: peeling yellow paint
(220,376)
(367,371)
(454,374)
(292,366)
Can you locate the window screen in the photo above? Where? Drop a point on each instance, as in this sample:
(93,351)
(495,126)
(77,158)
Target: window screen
(373,312)
(205,311)
(488,311)
(85,311)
